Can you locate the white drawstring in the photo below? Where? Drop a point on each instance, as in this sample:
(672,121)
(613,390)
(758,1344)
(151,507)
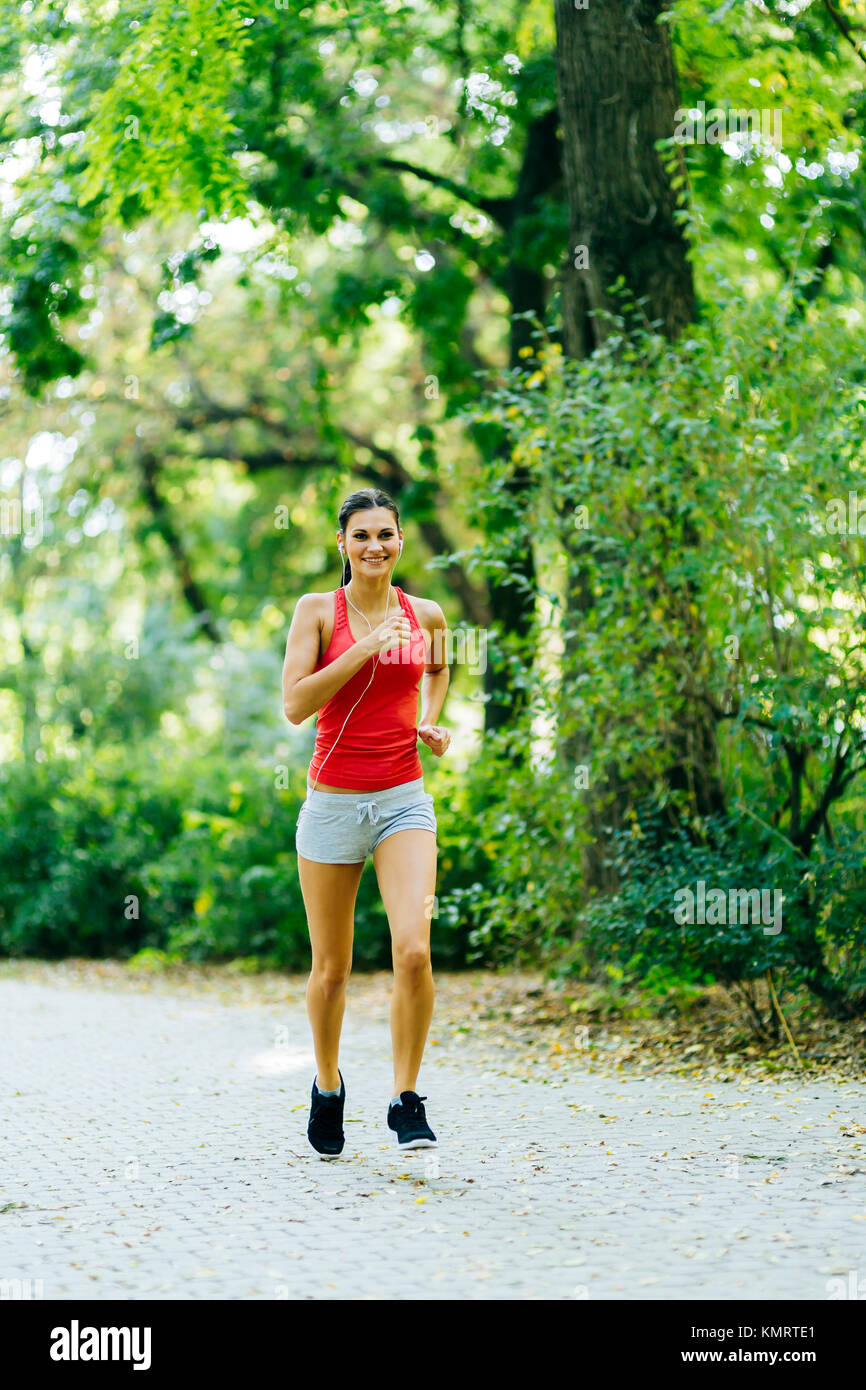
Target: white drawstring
(370,809)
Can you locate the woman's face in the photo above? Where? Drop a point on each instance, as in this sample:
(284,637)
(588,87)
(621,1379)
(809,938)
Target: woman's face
(372,541)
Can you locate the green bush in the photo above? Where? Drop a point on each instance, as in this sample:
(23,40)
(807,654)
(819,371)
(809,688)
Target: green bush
(192,858)
(709,617)
(816,939)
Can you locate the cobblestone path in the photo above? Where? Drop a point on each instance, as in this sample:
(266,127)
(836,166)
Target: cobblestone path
(153,1146)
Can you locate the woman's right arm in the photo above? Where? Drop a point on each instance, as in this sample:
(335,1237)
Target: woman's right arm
(305,689)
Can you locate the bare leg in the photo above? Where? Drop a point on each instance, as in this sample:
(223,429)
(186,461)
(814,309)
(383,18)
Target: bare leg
(329,892)
(405,865)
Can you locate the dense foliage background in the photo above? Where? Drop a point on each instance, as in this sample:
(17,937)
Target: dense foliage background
(255,256)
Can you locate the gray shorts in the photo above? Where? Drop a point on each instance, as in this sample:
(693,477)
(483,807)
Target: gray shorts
(338,828)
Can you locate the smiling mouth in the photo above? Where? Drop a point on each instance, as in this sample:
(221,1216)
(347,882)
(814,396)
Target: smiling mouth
(380,561)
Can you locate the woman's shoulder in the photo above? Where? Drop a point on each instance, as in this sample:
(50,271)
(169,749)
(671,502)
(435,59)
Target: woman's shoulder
(320,599)
(319,605)
(427,611)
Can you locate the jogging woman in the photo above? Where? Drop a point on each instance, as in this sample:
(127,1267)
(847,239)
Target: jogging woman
(357,656)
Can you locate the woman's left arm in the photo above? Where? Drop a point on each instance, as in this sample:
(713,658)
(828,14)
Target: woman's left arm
(434,686)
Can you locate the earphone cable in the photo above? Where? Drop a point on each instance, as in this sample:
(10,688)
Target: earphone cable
(369,682)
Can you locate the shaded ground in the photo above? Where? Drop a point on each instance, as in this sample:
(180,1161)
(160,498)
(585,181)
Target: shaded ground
(705,1034)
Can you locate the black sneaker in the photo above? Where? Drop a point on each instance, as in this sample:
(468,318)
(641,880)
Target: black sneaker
(325,1128)
(410,1123)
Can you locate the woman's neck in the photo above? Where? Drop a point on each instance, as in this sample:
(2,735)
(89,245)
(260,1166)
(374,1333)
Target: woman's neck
(370,595)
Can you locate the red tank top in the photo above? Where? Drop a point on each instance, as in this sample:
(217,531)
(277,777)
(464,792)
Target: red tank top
(378,748)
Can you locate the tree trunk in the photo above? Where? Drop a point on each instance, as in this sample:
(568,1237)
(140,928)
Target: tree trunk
(512,608)
(148,467)
(617,90)
(24,677)
(618,95)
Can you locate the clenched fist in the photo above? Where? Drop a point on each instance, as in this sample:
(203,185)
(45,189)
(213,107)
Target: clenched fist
(435,736)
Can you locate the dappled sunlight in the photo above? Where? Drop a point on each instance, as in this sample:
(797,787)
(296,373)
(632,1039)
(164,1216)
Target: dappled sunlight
(281,1061)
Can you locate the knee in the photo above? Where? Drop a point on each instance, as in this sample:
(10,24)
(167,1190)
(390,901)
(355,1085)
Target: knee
(329,977)
(411,960)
